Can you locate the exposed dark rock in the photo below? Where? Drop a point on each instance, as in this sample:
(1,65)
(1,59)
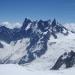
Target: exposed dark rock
(67,58)
(38,32)
(1,45)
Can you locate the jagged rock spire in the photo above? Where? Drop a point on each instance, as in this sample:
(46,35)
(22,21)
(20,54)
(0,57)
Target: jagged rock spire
(54,22)
(25,23)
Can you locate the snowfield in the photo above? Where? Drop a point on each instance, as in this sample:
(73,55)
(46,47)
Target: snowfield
(14,51)
(70,26)
(19,70)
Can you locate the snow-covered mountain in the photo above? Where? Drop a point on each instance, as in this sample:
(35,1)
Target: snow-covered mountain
(36,44)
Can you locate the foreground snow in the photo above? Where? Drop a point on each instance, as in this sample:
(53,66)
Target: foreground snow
(19,70)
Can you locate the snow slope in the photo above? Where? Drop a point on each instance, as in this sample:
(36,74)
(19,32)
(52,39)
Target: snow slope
(70,26)
(14,51)
(19,70)
(56,47)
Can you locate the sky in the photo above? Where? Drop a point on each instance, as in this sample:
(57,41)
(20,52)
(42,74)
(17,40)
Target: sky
(18,10)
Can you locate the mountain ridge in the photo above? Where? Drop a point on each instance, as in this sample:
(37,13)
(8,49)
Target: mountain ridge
(32,40)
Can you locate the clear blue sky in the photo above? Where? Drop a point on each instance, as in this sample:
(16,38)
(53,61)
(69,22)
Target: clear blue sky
(17,10)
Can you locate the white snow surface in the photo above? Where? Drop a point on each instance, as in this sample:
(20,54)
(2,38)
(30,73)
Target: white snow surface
(14,51)
(19,70)
(29,25)
(70,26)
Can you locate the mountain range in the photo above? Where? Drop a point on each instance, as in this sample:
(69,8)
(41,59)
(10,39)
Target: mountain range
(38,44)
